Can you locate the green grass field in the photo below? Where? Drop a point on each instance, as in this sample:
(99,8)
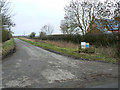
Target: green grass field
(7,46)
(73,52)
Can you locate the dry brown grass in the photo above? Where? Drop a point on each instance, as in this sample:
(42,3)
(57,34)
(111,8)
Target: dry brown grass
(63,44)
(28,39)
(110,51)
(56,43)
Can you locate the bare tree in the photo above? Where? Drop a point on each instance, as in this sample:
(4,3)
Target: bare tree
(67,29)
(48,29)
(7,22)
(42,35)
(105,14)
(6,13)
(77,17)
(117,11)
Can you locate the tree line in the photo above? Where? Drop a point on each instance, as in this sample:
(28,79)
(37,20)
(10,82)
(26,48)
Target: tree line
(45,31)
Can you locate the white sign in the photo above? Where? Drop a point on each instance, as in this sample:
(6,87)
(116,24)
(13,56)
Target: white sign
(83,43)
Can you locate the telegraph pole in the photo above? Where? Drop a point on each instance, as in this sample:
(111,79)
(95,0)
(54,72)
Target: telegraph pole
(0,48)
(0,26)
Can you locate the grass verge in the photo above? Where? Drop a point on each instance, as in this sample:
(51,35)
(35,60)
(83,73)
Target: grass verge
(8,47)
(72,52)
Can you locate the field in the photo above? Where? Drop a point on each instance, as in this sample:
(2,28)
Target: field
(71,50)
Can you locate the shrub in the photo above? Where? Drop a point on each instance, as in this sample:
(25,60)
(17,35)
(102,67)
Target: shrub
(101,39)
(86,50)
(6,35)
(32,35)
(66,37)
(7,47)
(94,39)
(43,36)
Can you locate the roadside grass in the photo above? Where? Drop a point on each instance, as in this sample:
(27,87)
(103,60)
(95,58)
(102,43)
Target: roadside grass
(62,44)
(7,47)
(71,51)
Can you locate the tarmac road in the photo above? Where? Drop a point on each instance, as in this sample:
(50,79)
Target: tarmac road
(33,67)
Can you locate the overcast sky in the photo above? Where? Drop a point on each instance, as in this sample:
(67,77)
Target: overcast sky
(31,15)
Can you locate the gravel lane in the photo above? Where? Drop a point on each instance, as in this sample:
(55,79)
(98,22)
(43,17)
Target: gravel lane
(33,67)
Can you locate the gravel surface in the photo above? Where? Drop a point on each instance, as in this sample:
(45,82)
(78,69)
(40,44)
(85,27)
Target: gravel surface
(33,67)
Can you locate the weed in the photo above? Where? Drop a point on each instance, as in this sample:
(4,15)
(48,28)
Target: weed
(7,46)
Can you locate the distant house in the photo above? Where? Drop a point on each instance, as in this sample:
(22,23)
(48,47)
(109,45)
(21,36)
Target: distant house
(104,26)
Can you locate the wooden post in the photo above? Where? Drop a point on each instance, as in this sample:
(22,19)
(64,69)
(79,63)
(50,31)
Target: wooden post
(0,27)
(0,48)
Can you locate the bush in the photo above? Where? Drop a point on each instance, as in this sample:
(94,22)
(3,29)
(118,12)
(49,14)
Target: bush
(101,39)
(94,39)
(43,36)
(118,47)
(6,35)
(66,37)
(86,50)
(7,47)
(32,35)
